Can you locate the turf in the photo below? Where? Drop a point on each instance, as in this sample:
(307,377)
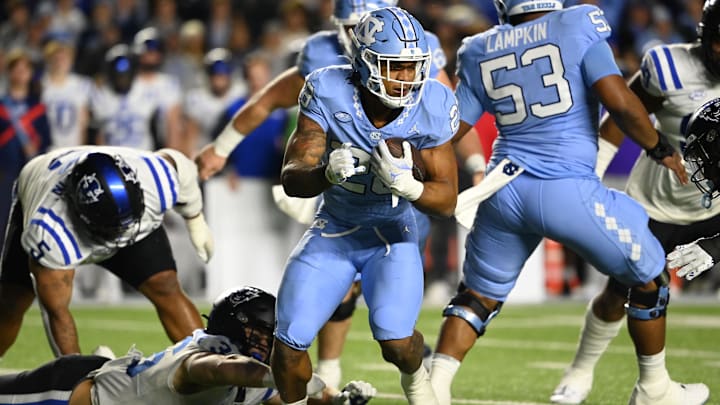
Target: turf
(518,361)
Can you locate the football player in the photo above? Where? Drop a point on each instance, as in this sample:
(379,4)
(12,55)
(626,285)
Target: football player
(225,363)
(325,48)
(365,223)
(102,205)
(673,81)
(540,72)
(65,95)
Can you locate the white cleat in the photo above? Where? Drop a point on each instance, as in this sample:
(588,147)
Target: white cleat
(573,388)
(675,394)
(104,351)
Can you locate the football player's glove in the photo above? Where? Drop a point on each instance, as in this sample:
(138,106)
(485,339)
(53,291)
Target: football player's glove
(396,173)
(200,236)
(694,258)
(355,393)
(341,165)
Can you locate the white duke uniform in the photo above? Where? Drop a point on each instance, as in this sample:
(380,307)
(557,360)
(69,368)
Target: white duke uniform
(64,103)
(205,108)
(149,380)
(677,74)
(49,234)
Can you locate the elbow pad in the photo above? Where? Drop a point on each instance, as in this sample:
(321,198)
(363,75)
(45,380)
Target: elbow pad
(189,202)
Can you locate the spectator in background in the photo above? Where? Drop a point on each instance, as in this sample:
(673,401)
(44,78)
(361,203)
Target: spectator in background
(130,15)
(101,33)
(24,127)
(65,95)
(13,32)
(204,106)
(165,19)
(67,20)
(219,25)
(186,65)
(267,237)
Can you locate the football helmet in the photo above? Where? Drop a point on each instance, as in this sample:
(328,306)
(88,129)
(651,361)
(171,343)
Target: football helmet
(119,68)
(708,30)
(217,62)
(147,39)
(383,37)
(702,150)
(348,12)
(104,193)
(246,316)
(508,8)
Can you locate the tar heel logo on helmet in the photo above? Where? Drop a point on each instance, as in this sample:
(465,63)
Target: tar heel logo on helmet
(89,189)
(366,32)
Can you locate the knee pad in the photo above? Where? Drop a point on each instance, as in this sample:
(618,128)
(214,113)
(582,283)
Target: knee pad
(344,310)
(478,316)
(656,301)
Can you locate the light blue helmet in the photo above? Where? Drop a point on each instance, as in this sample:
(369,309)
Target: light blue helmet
(348,13)
(509,8)
(385,36)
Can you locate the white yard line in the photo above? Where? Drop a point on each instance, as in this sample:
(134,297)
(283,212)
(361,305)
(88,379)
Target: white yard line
(387,395)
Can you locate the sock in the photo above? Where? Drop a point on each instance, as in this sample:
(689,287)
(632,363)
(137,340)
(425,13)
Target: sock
(653,372)
(417,387)
(303,401)
(595,337)
(329,370)
(442,373)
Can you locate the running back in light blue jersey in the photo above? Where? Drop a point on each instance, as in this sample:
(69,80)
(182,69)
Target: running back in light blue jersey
(331,99)
(527,73)
(323,49)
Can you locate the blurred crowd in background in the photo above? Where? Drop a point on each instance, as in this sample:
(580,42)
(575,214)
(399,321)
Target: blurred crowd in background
(263,38)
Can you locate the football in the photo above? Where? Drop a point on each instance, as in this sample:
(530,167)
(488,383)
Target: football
(396,149)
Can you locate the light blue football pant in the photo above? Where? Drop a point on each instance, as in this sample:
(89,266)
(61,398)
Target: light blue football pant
(606,227)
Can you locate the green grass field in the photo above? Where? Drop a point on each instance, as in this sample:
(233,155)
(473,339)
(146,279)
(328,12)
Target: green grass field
(518,361)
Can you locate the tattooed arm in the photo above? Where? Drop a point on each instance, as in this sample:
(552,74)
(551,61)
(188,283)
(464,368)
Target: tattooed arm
(54,290)
(303,172)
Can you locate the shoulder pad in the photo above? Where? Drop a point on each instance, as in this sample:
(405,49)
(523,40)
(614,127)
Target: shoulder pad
(659,68)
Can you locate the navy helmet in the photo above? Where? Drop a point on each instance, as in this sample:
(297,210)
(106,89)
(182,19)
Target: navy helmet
(708,31)
(246,316)
(217,62)
(702,150)
(104,193)
(119,68)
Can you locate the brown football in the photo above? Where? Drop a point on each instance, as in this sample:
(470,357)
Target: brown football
(395,147)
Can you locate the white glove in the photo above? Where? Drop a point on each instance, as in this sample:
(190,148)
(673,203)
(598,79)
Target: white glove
(690,260)
(396,173)
(355,393)
(200,236)
(341,165)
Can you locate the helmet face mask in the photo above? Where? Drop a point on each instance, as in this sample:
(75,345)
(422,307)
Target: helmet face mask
(105,196)
(708,31)
(246,316)
(702,151)
(391,40)
(508,8)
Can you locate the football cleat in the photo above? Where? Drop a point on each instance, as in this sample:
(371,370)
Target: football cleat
(674,394)
(573,388)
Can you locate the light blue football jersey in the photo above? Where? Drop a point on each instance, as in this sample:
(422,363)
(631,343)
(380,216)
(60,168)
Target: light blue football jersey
(535,78)
(323,49)
(333,101)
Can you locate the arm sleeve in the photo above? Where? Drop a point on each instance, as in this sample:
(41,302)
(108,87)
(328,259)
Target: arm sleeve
(659,73)
(189,200)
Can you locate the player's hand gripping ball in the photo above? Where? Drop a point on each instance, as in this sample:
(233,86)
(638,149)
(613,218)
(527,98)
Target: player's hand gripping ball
(396,149)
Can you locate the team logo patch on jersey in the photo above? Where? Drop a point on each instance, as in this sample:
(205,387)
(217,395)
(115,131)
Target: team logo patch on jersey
(375,136)
(697,95)
(90,189)
(343,116)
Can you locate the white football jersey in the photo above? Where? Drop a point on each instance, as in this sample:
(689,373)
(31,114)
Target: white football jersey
(49,234)
(675,73)
(125,120)
(149,380)
(162,90)
(65,102)
(206,109)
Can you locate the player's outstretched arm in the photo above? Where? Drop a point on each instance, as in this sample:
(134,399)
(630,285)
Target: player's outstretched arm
(611,136)
(282,92)
(630,115)
(303,172)
(54,291)
(203,370)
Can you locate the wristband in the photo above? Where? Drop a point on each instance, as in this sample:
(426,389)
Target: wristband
(475,163)
(662,150)
(228,139)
